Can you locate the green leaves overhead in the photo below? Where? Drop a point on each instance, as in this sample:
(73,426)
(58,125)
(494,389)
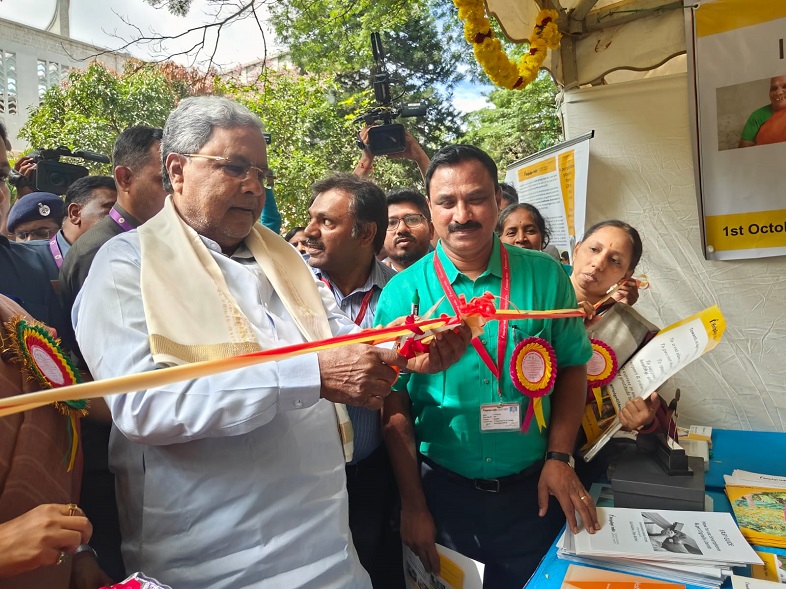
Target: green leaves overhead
(309,110)
(96,104)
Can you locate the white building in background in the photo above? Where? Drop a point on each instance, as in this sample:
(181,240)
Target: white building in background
(32,60)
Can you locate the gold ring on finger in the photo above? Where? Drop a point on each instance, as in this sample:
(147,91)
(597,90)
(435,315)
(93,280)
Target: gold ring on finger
(61,559)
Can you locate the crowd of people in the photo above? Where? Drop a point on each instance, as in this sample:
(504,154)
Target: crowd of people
(309,471)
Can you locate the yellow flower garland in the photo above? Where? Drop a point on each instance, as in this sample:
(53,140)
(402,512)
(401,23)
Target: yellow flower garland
(489,52)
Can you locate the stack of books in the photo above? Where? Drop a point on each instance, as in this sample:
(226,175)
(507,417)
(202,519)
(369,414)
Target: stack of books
(690,547)
(581,577)
(759,504)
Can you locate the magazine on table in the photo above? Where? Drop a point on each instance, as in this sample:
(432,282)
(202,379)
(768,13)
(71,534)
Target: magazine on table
(745,478)
(691,537)
(456,571)
(773,569)
(701,576)
(661,358)
(738,582)
(759,505)
(583,577)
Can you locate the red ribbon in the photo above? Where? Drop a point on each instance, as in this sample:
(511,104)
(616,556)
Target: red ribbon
(483,306)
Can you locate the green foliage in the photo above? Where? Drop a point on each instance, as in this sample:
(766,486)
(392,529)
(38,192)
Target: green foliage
(176,7)
(96,104)
(333,35)
(424,53)
(520,123)
(309,137)
(310,115)
(329,41)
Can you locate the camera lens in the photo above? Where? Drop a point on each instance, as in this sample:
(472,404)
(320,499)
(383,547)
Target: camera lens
(56,179)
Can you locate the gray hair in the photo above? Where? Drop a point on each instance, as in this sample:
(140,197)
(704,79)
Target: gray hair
(191,124)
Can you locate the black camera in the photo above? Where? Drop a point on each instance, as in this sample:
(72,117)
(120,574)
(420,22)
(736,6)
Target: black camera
(52,175)
(387,137)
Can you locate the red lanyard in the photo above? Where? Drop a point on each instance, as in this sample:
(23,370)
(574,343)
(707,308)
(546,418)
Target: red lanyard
(502,336)
(363,304)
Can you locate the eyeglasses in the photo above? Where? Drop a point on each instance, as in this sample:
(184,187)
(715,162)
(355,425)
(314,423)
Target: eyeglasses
(44,233)
(265,176)
(411,221)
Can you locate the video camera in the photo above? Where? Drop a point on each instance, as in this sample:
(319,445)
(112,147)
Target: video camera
(52,175)
(388,137)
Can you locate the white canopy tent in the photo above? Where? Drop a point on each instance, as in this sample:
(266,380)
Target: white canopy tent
(600,36)
(641,171)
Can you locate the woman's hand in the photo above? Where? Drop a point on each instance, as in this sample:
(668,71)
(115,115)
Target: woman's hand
(628,292)
(39,538)
(639,412)
(589,312)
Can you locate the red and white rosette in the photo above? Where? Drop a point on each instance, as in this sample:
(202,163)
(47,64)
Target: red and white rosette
(533,369)
(601,368)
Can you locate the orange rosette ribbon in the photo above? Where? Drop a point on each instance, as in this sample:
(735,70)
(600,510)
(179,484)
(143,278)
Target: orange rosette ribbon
(533,369)
(601,368)
(39,351)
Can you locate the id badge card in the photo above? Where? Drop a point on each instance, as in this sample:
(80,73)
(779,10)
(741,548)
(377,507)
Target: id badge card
(497,417)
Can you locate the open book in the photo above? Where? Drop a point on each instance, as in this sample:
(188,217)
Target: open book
(625,331)
(661,358)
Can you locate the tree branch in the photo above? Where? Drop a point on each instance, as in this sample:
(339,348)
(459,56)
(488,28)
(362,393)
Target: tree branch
(157,43)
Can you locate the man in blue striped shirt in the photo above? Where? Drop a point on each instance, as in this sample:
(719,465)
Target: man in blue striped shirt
(347,226)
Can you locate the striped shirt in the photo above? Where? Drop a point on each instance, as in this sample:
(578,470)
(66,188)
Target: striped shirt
(365,422)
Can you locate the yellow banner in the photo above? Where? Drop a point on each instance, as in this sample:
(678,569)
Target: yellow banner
(538,169)
(726,15)
(567,180)
(744,231)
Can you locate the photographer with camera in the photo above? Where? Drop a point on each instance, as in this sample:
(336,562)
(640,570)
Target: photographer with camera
(41,170)
(20,176)
(412,151)
(381,136)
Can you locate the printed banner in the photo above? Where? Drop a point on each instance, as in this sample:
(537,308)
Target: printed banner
(555,181)
(739,77)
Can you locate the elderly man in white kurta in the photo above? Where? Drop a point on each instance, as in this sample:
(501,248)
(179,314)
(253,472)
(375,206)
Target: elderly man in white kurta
(234,480)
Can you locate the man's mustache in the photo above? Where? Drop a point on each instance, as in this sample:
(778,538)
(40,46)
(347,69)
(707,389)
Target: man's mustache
(313,243)
(468,226)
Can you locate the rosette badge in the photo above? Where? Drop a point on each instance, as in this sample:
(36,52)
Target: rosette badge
(32,345)
(533,369)
(602,367)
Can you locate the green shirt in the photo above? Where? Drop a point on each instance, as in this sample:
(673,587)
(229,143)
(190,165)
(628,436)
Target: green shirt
(446,406)
(755,121)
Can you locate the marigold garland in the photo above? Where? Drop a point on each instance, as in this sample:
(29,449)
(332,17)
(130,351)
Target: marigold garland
(489,52)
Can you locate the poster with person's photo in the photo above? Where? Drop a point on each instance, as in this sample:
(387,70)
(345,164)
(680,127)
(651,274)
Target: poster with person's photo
(738,61)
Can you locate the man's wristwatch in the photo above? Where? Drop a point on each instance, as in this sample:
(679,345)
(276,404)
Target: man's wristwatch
(562,457)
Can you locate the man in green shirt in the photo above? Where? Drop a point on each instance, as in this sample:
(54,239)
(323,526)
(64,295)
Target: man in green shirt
(469,475)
